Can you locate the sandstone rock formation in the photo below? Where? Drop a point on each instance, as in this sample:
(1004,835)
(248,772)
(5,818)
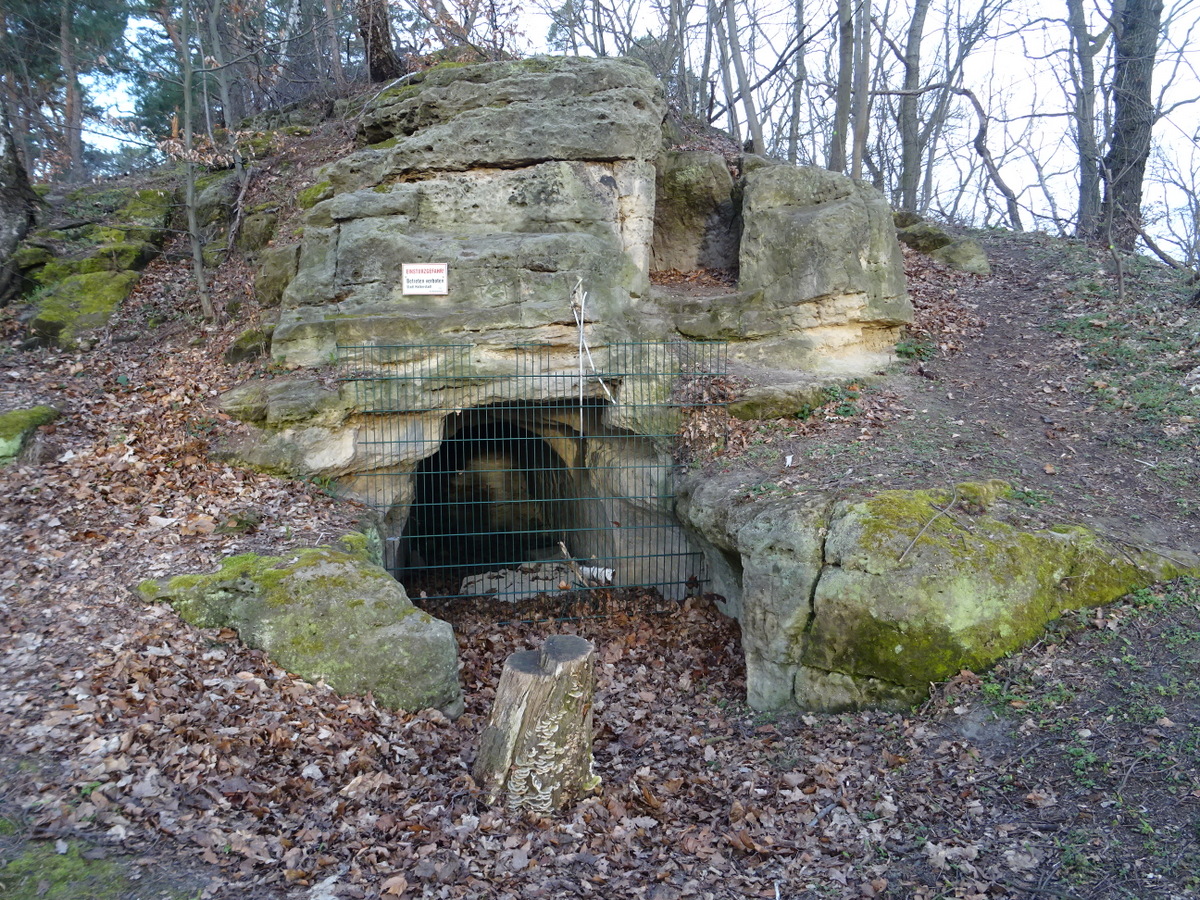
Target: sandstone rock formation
(543,185)
(821,280)
(525,177)
(846,603)
(327,613)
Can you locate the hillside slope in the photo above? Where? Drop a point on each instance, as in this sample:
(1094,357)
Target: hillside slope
(196,766)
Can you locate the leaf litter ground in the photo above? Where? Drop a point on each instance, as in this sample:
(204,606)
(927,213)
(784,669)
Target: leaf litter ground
(1069,771)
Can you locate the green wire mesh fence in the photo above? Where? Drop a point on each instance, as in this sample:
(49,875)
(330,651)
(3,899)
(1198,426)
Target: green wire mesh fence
(537,471)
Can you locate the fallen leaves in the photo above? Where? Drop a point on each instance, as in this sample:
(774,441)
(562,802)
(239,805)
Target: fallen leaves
(941,315)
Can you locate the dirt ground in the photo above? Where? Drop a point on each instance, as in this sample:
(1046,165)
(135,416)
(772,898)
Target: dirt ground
(144,758)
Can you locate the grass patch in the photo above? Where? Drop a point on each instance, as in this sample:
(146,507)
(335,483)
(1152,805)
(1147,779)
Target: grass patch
(40,872)
(1141,346)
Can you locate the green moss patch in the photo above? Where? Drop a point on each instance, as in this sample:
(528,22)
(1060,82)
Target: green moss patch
(258,145)
(310,197)
(30,257)
(80,303)
(16,427)
(147,214)
(79,276)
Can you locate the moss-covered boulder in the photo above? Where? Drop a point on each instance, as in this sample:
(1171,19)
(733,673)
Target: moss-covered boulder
(966,255)
(250,344)
(31,256)
(147,214)
(78,304)
(924,237)
(216,194)
(18,426)
(776,401)
(77,275)
(314,194)
(257,231)
(117,256)
(329,614)
(866,601)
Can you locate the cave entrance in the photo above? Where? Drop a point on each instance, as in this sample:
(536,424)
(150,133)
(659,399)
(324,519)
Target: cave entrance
(515,474)
(495,496)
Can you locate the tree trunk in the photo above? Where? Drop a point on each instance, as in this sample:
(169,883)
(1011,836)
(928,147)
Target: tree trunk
(376,30)
(910,138)
(724,66)
(753,125)
(536,748)
(73,101)
(706,83)
(598,29)
(1133,120)
(862,94)
(841,114)
(1083,53)
(178,34)
(17,203)
(800,78)
(335,50)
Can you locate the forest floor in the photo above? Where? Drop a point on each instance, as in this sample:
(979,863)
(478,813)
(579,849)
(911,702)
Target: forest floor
(143,758)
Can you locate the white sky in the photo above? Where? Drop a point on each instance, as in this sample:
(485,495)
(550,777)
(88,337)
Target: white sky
(1004,76)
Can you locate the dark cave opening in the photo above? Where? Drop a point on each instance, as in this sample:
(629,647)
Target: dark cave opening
(496,494)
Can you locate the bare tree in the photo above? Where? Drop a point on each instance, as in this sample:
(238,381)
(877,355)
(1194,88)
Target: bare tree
(910,138)
(1084,49)
(375,28)
(862,80)
(17,202)
(179,31)
(753,125)
(845,84)
(73,101)
(799,83)
(1124,166)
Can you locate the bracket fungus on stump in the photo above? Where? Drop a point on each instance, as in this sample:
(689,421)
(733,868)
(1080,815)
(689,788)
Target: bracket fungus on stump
(536,748)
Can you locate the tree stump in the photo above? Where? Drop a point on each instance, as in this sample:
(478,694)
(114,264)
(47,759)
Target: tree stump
(536,748)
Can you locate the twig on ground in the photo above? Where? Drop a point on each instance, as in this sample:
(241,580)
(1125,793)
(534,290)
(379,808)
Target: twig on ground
(941,512)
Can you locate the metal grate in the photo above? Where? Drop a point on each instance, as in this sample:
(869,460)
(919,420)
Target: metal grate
(529,473)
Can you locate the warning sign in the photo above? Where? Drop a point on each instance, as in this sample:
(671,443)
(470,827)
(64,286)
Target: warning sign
(426,278)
